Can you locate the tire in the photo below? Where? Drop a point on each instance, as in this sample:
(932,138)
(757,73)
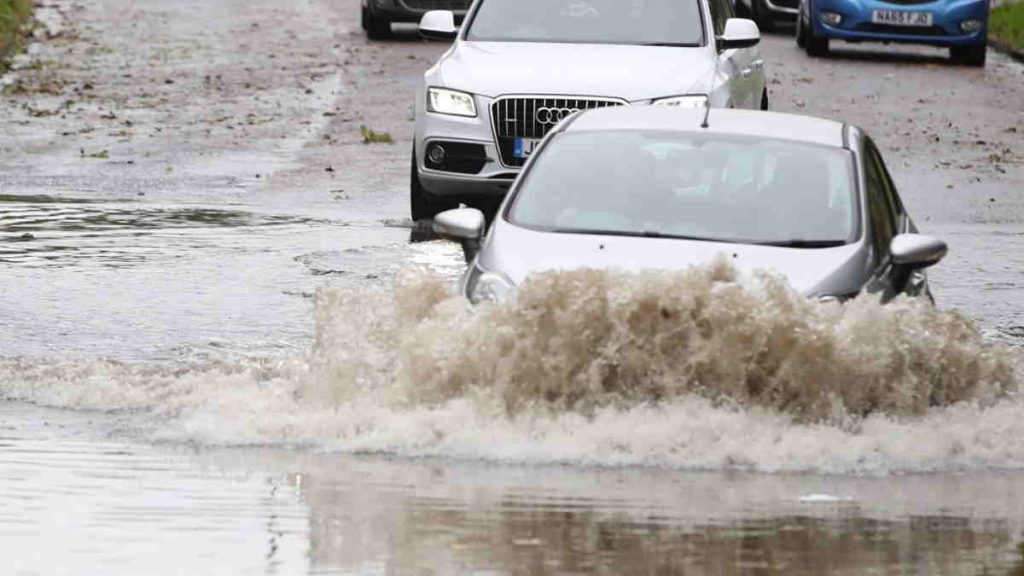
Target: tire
(801,31)
(970,55)
(762,16)
(376,28)
(422,205)
(815,46)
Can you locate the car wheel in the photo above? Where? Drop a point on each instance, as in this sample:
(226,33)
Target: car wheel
(815,46)
(801,31)
(763,16)
(376,27)
(970,55)
(421,204)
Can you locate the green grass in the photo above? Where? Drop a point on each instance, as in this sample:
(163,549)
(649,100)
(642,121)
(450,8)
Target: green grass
(13,15)
(1006,23)
(372,137)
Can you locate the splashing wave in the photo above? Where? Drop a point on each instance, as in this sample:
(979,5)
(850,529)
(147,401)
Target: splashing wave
(699,369)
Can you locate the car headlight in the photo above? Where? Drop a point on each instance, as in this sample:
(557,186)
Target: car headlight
(490,287)
(970,26)
(691,101)
(452,102)
(832,18)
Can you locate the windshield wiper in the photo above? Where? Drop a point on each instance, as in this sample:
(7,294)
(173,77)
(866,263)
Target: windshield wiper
(654,234)
(805,243)
(673,44)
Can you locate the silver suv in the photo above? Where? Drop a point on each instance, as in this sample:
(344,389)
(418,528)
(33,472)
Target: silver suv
(517,68)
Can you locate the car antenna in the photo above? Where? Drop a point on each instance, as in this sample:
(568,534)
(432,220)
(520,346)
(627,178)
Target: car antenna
(707,112)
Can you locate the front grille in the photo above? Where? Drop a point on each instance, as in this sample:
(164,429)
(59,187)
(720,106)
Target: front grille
(517,117)
(907,30)
(456,5)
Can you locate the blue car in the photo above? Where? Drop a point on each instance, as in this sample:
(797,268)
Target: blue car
(960,25)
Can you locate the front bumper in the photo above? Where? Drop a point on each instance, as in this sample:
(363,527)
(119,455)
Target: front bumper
(856,23)
(493,179)
(413,10)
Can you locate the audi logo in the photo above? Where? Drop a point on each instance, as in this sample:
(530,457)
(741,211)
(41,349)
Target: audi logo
(552,116)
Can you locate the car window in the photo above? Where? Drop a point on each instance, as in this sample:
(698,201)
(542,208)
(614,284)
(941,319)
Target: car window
(645,22)
(880,206)
(892,198)
(740,189)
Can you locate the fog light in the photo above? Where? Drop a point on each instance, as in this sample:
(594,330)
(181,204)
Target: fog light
(436,154)
(970,26)
(831,18)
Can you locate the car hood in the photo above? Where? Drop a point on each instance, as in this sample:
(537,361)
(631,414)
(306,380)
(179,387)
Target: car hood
(518,252)
(622,71)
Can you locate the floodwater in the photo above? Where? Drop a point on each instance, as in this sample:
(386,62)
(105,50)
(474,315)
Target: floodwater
(224,349)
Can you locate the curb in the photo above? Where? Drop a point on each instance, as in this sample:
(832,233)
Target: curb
(1016,54)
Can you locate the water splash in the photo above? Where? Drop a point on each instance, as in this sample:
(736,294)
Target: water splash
(698,369)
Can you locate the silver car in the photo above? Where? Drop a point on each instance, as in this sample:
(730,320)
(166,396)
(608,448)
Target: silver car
(517,68)
(659,188)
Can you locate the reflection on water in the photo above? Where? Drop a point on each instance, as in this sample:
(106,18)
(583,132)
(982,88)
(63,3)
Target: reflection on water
(76,502)
(76,493)
(42,231)
(370,516)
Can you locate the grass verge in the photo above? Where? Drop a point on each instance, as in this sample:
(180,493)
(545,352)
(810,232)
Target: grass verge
(1006,24)
(13,15)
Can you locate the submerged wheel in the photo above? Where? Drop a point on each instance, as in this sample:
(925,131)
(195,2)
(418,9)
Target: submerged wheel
(970,55)
(376,27)
(421,204)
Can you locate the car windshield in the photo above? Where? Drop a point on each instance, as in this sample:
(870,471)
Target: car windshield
(646,22)
(705,187)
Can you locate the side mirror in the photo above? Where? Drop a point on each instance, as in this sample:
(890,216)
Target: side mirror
(739,33)
(916,251)
(464,225)
(439,25)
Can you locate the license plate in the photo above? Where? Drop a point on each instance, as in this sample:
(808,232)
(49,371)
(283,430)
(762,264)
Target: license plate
(523,147)
(902,18)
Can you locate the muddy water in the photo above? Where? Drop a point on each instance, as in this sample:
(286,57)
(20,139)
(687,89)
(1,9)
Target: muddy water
(122,507)
(205,368)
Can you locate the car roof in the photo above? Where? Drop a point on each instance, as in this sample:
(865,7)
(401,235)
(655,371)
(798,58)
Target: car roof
(720,121)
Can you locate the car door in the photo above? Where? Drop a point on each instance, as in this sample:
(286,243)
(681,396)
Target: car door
(887,219)
(742,68)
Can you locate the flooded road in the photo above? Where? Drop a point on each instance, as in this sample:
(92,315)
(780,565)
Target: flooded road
(207,369)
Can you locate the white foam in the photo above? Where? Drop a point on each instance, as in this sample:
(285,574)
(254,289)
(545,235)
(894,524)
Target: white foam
(691,370)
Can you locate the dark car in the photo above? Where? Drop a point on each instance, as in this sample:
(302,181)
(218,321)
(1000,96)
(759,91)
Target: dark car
(379,14)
